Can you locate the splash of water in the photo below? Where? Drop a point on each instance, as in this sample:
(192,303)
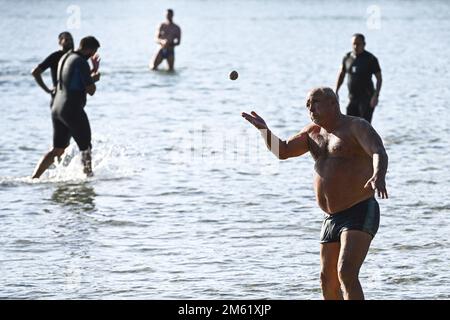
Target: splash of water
(109,162)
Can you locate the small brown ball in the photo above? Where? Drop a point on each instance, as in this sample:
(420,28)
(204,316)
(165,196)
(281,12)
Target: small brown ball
(234,75)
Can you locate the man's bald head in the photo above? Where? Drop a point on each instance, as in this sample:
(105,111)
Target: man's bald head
(325,92)
(323,106)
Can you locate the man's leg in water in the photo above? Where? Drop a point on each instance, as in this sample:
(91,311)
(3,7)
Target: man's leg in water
(329,280)
(81,133)
(171,61)
(366,110)
(46,161)
(158,59)
(86,159)
(354,247)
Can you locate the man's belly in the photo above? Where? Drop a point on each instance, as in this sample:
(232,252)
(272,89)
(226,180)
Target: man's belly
(339,182)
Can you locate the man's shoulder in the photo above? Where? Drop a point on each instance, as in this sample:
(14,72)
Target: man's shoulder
(370,55)
(348,55)
(356,124)
(74,60)
(52,58)
(56,54)
(311,128)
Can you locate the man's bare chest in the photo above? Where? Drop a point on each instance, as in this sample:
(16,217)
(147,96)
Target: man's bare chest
(332,145)
(167,30)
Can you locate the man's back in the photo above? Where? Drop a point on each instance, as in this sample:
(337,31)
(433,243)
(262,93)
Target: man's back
(73,77)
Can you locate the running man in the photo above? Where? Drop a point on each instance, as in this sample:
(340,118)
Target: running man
(360,65)
(168,36)
(350,164)
(75,79)
(65,40)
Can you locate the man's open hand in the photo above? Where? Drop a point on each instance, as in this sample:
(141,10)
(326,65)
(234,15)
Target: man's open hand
(255,120)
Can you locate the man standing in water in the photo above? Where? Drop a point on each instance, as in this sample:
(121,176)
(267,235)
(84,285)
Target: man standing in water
(75,79)
(66,42)
(168,36)
(360,65)
(350,164)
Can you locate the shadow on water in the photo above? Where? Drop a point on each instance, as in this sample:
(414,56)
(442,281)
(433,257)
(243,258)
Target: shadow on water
(77,197)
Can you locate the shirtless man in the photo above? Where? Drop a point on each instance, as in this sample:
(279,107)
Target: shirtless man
(350,164)
(168,36)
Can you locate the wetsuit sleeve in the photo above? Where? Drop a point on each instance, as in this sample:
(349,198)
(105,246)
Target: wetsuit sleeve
(85,72)
(375,66)
(49,61)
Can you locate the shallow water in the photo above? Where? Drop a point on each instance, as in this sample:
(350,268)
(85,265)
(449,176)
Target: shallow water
(185,201)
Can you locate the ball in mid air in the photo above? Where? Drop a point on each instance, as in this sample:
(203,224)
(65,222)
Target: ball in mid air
(233,75)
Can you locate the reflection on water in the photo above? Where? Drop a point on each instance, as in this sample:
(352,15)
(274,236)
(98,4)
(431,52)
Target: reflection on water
(78,197)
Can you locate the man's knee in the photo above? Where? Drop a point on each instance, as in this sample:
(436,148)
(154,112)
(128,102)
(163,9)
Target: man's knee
(347,274)
(329,280)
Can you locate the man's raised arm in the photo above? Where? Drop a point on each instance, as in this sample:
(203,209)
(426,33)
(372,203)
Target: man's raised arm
(371,142)
(294,147)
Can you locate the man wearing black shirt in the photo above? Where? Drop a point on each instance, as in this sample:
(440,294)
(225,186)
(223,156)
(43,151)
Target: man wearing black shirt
(66,43)
(360,65)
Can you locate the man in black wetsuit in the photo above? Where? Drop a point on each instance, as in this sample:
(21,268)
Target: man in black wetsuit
(74,80)
(66,42)
(360,65)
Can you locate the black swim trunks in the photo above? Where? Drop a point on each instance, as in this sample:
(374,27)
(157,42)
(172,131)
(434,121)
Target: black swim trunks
(363,216)
(167,52)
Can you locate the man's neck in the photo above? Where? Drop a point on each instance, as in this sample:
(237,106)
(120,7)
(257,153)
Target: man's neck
(358,54)
(83,54)
(333,123)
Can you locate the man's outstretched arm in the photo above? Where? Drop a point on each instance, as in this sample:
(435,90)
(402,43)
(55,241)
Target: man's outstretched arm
(293,147)
(371,142)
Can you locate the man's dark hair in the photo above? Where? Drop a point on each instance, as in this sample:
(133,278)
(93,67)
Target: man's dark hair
(89,43)
(361,36)
(170,11)
(65,34)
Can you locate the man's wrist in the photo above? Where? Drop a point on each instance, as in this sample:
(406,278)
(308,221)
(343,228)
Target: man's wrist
(265,133)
